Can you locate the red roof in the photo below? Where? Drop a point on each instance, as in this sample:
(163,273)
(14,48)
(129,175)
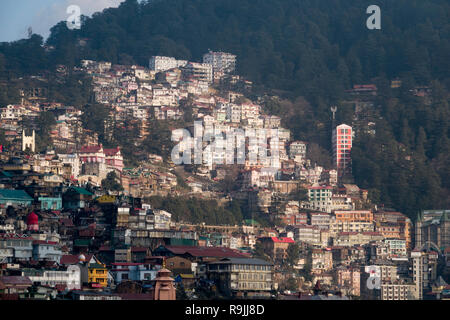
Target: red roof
(68,259)
(136,296)
(67,222)
(44,242)
(91,149)
(320,187)
(282,240)
(87,233)
(111,152)
(15,280)
(199,251)
(372,233)
(138,249)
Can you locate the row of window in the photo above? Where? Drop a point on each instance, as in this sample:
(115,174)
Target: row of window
(254,286)
(251,267)
(252,276)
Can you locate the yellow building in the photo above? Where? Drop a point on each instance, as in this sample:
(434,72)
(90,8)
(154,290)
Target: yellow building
(97,274)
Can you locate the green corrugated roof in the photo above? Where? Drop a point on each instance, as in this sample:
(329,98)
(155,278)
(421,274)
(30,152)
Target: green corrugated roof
(7,174)
(82,191)
(96,266)
(14,195)
(81,242)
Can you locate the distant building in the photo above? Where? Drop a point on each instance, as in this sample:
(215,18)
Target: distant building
(276,246)
(32,222)
(15,197)
(297,148)
(160,63)
(198,71)
(433,227)
(349,280)
(126,271)
(222,63)
(242,277)
(28,141)
(397,291)
(342,146)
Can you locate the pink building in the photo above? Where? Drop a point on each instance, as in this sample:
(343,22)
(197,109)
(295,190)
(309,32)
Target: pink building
(113,158)
(342,146)
(96,154)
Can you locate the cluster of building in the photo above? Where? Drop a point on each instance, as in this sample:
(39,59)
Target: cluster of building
(64,235)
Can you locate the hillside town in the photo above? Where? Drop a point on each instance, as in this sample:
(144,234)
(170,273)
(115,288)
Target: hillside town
(78,221)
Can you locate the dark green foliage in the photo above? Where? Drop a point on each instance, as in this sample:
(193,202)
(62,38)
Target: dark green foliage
(405,165)
(195,210)
(72,89)
(159,139)
(93,118)
(111,182)
(44,122)
(293,254)
(260,253)
(306,271)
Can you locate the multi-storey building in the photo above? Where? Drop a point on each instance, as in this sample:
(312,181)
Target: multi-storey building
(321,220)
(69,276)
(424,271)
(112,158)
(397,291)
(198,71)
(319,198)
(308,234)
(433,228)
(342,146)
(276,246)
(349,225)
(160,63)
(242,277)
(322,260)
(221,62)
(349,280)
(297,148)
(354,216)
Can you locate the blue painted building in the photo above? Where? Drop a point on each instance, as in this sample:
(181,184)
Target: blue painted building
(50,203)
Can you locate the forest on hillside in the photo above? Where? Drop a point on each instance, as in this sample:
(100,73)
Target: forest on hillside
(306,51)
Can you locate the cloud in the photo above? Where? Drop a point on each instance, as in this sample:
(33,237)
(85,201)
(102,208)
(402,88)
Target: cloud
(51,14)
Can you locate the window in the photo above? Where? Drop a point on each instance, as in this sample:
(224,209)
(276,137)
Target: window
(125,276)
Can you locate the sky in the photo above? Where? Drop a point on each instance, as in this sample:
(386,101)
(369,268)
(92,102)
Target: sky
(17,15)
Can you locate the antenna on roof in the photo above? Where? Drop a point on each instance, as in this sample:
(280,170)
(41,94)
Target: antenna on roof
(333,121)
(333,110)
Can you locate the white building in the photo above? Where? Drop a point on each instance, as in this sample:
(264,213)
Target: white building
(28,141)
(221,62)
(71,277)
(198,71)
(160,63)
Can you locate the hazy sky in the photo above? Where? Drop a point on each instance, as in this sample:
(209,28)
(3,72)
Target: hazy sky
(17,15)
